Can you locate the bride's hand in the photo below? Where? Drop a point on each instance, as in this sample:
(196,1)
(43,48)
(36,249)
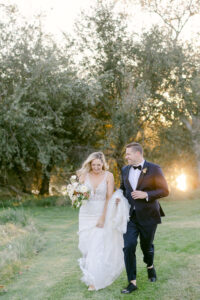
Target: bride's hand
(117,201)
(101,222)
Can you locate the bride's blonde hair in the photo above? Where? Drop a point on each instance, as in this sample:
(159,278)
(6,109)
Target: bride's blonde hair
(86,166)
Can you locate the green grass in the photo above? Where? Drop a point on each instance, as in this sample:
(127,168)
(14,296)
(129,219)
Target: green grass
(19,241)
(33,200)
(54,273)
(14,216)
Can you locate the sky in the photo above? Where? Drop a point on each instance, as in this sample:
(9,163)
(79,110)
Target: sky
(60,15)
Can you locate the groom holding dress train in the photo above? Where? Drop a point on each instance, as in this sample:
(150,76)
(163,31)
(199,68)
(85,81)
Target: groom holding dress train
(142,184)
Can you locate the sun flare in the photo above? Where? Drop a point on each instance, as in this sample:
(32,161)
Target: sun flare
(181,183)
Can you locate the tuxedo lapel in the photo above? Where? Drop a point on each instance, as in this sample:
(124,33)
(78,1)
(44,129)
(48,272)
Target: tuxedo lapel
(127,180)
(142,174)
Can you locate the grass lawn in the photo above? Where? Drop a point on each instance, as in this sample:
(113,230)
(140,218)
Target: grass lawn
(54,273)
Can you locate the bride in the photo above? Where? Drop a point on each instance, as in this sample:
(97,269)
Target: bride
(102,222)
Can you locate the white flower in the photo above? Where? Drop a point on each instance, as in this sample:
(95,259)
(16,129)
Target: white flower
(144,170)
(73,178)
(69,187)
(78,188)
(75,184)
(73,198)
(83,189)
(64,190)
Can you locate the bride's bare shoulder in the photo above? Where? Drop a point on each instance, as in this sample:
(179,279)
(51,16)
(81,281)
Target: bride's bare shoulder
(110,176)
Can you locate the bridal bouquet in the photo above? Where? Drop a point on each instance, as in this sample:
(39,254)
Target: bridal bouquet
(77,192)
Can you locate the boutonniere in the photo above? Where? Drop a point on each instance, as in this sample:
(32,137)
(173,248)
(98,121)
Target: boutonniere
(144,170)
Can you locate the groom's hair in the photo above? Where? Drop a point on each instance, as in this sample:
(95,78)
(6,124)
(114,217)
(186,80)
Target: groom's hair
(135,147)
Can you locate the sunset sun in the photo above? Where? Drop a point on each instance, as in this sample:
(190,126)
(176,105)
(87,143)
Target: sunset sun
(181,183)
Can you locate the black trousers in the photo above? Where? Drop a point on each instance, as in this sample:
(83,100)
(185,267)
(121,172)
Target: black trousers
(146,235)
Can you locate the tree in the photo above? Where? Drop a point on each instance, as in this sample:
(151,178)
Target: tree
(175,14)
(144,81)
(45,107)
(106,49)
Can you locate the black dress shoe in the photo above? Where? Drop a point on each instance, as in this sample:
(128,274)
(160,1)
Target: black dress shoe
(130,288)
(152,274)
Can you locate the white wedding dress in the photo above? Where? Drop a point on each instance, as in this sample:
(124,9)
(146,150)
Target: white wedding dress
(102,248)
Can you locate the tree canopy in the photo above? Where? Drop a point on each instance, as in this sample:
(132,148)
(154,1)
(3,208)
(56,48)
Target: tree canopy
(96,91)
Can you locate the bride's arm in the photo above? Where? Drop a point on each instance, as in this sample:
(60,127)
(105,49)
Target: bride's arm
(110,190)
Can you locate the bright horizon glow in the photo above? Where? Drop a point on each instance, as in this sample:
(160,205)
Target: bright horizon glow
(181,183)
(60,15)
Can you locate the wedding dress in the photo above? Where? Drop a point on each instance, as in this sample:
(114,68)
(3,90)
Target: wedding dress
(102,248)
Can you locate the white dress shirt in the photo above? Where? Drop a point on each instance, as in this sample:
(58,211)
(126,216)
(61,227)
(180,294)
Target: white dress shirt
(134,175)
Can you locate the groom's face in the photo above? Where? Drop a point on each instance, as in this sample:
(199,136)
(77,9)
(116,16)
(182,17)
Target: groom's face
(132,156)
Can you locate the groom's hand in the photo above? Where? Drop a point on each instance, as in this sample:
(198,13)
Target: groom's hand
(139,195)
(117,201)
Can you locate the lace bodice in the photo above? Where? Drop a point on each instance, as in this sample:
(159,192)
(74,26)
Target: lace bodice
(99,194)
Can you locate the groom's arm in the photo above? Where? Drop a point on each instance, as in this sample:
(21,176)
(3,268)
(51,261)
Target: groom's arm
(160,186)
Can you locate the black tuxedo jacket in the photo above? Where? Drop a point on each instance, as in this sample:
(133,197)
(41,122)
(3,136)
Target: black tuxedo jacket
(153,182)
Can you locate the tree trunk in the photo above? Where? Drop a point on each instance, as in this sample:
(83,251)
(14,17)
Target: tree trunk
(46,181)
(45,185)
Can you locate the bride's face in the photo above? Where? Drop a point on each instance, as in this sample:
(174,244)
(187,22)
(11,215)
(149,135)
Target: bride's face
(97,166)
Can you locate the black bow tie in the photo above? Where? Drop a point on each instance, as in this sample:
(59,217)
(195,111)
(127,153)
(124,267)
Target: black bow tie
(137,167)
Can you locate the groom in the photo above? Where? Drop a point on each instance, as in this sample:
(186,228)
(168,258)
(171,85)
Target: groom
(142,184)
